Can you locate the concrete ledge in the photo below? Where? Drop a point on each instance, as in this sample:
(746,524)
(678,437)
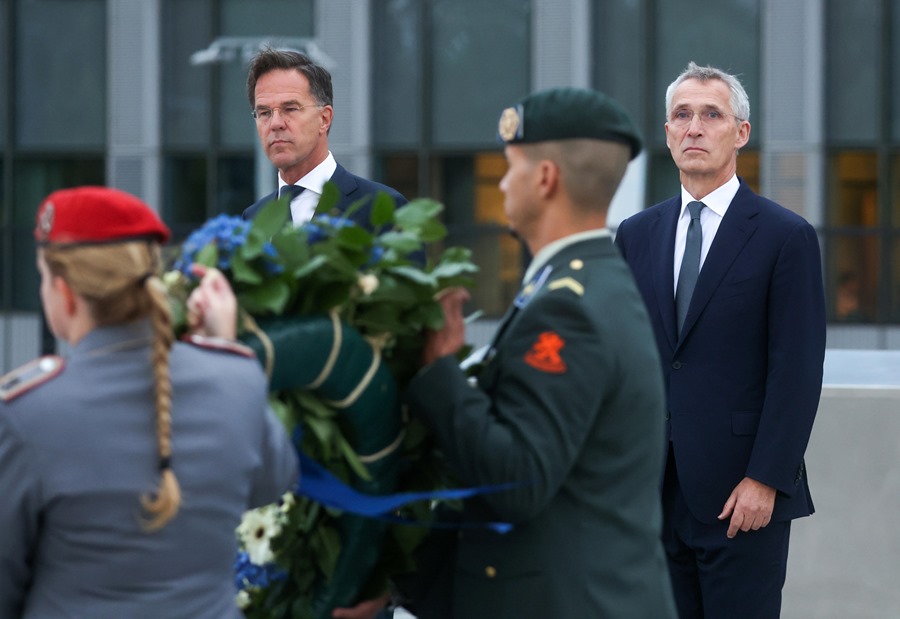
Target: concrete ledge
(845,559)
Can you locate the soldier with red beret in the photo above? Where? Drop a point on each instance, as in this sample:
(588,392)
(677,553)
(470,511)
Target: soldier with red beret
(125,468)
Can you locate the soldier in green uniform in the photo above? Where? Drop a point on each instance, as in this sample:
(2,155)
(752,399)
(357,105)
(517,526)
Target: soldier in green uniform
(569,404)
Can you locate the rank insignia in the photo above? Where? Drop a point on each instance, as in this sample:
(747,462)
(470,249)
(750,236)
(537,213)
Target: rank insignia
(567,282)
(544,354)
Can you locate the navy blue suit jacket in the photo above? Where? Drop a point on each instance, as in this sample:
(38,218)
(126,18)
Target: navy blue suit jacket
(352,188)
(743,381)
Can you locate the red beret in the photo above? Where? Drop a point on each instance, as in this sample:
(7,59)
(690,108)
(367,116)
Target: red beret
(96,215)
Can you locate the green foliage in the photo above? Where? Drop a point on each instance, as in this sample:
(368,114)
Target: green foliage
(379,283)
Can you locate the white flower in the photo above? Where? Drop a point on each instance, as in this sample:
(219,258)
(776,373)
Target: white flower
(368,283)
(287,502)
(242,599)
(257,528)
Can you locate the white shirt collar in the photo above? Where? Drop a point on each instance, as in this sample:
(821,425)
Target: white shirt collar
(317,177)
(718,200)
(551,249)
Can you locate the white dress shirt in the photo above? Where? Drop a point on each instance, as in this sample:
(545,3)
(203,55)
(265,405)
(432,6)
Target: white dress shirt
(710,217)
(304,206)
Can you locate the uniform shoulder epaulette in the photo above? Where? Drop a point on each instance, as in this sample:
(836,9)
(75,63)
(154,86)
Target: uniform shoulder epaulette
(31,375)
(220,344)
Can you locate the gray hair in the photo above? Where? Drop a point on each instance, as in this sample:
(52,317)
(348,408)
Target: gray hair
(740,102)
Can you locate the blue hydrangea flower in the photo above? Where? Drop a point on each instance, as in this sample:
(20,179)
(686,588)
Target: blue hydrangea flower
(316,232)
(248,574)
(228,232)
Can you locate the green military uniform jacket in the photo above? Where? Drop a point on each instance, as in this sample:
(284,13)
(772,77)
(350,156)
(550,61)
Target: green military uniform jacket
(569,405)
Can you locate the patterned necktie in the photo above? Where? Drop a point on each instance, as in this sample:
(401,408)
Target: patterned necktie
(690,264)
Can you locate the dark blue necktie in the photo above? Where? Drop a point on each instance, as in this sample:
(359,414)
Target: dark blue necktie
(290,190)
(690,264)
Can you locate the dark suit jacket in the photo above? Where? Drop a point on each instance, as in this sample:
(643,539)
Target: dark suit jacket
(743,380)
(353,188)
(583,436)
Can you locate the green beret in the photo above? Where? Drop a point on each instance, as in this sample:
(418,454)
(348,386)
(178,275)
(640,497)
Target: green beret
(568,114)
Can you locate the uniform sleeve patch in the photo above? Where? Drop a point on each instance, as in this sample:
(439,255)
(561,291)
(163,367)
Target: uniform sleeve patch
(544,354)
(31,375)
(220,344)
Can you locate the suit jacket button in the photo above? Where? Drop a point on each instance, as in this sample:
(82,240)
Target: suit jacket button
(676,365)
(490,571)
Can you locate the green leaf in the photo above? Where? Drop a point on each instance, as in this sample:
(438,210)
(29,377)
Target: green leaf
(352,459)
(208,256)
(271,218)
(253,244)
(383,208)
(414,215)
(243,272)
(415,275)
(315,263)
(330,197)
(270,297)
(402,242)
(432,231)
(354,237)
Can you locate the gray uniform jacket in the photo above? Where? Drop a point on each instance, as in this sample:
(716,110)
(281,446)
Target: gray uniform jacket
(79,450)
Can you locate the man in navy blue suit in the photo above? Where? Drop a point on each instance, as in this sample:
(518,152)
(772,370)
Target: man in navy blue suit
(292,101)
(733,285)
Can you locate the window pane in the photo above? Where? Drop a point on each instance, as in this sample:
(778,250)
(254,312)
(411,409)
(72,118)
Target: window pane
(234,185)
(852,273)
(61,74)
(185,194)
(619,28)
(895,192)
(275,20)
(852,70)
(397,73)
(895,66)
(402,173)
(4,86)
(895,280)
(33,181)
(853,195)
(186,29)
(723,34)
(480,66)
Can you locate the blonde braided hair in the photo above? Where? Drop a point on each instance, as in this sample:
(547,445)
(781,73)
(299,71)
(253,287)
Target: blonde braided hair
(119,283)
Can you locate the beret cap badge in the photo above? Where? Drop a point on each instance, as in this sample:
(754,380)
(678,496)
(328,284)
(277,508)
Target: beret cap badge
(510,121)
(46,223)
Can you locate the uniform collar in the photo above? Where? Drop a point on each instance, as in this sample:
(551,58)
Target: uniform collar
(551,249)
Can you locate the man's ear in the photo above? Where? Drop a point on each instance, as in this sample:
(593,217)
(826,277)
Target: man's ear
(548,178)
(326,116)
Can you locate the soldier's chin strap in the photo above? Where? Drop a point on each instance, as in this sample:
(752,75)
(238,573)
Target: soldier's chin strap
(318,484)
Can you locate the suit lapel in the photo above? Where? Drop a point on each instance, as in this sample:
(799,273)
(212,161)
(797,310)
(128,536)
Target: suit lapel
(735,230)
(662,255)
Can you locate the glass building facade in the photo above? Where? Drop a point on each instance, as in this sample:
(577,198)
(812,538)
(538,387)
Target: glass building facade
(105,92)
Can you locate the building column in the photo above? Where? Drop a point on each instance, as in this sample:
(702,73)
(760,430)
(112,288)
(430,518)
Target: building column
(791,144)
(133,159)
(561,35)
(343,30)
